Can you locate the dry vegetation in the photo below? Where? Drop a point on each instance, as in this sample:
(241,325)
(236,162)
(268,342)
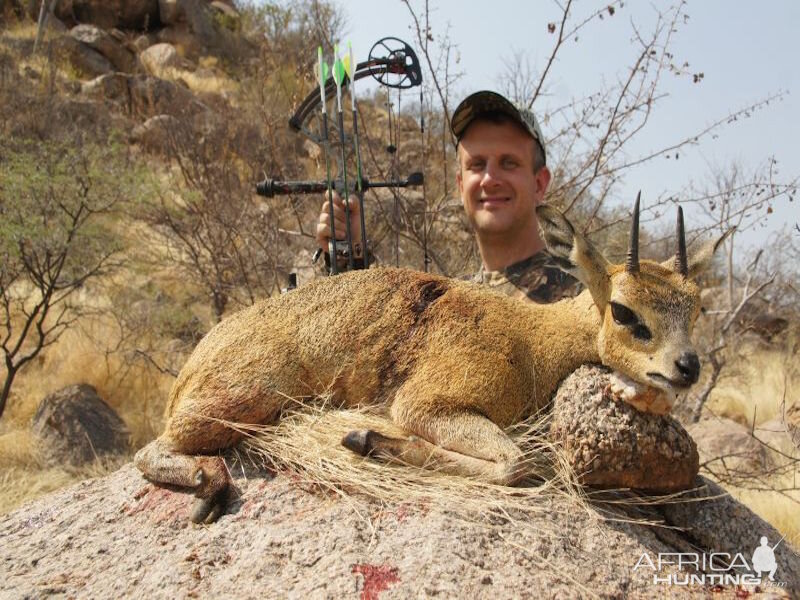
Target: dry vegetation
(191,242)
(762,382)
(307,442)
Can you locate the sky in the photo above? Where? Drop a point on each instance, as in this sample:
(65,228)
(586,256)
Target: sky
(746,51)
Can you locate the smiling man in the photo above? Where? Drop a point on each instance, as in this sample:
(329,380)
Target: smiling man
(502,177)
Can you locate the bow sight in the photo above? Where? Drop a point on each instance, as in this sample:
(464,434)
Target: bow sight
(392,63)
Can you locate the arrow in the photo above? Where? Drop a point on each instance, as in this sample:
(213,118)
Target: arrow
(338,77)
(360,179)
(323,76)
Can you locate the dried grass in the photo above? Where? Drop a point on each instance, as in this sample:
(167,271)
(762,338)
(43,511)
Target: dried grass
(780,509)
(135,390)
(764,382)
(307,442)
(202,81)
(22,30)
(24,478)
(21,484)
(758,381)
(16,450)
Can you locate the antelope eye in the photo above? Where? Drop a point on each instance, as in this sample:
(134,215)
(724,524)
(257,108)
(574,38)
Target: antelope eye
(623,315)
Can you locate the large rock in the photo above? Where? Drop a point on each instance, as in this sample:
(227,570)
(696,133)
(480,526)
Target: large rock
(120,536)
(105,44)
(181,36)
(144,96)
(726,445)
(154,133)
(207,23)
(84,58)
(128,14)
(611,444)
(199,27)
(113,87)
(74,426)
(709,518)
(286,534)
(170,11)
(152,96)
(159,57)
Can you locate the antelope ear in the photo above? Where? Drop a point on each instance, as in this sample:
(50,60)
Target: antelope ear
(574,254)
(701,259)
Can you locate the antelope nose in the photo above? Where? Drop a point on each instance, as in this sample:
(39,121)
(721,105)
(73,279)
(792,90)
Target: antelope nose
(689,367)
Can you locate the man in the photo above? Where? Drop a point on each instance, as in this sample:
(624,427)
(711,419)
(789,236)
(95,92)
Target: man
(502,177)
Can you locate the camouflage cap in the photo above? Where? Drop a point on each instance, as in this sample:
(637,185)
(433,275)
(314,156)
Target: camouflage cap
(486,101)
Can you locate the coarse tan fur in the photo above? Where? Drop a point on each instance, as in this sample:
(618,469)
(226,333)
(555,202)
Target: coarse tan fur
(453,363)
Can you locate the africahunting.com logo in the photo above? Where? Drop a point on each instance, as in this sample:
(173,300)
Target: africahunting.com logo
(716,568)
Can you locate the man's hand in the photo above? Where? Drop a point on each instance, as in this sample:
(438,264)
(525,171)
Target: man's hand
(324,223)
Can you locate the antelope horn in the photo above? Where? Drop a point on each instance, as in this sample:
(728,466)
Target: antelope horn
(632,264)
(681,260)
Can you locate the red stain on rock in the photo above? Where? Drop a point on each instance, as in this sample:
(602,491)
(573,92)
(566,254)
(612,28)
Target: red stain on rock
(420,507)
(162,504)
(254,503)
(377,578)
(250,509)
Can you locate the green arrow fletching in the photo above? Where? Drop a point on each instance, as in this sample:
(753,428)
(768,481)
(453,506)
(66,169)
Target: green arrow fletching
(338,67)
(322,70)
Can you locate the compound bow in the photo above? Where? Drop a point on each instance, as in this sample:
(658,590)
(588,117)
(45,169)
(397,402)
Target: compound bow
(392,63)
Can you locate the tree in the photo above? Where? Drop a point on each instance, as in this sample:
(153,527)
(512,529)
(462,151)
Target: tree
(590,138)
(207,223)
(735,199)
(54,239)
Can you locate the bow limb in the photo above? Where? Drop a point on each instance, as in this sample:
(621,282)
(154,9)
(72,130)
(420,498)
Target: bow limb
(398,67)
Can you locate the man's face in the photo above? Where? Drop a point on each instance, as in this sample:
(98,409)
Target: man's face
(498,187)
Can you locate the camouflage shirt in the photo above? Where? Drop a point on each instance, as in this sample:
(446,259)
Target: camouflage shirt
(535,278)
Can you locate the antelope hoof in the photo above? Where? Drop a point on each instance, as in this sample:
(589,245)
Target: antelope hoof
(208,510)
(362,442)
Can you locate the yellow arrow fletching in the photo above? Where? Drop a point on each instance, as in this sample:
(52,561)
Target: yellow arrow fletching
(347,66)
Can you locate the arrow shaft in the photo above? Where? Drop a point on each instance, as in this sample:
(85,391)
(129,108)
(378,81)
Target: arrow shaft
(327,150)
(346,198)
(338,77)
(359,173)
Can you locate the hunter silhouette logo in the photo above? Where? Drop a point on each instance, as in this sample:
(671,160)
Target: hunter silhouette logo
(715,568)
(764,558)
